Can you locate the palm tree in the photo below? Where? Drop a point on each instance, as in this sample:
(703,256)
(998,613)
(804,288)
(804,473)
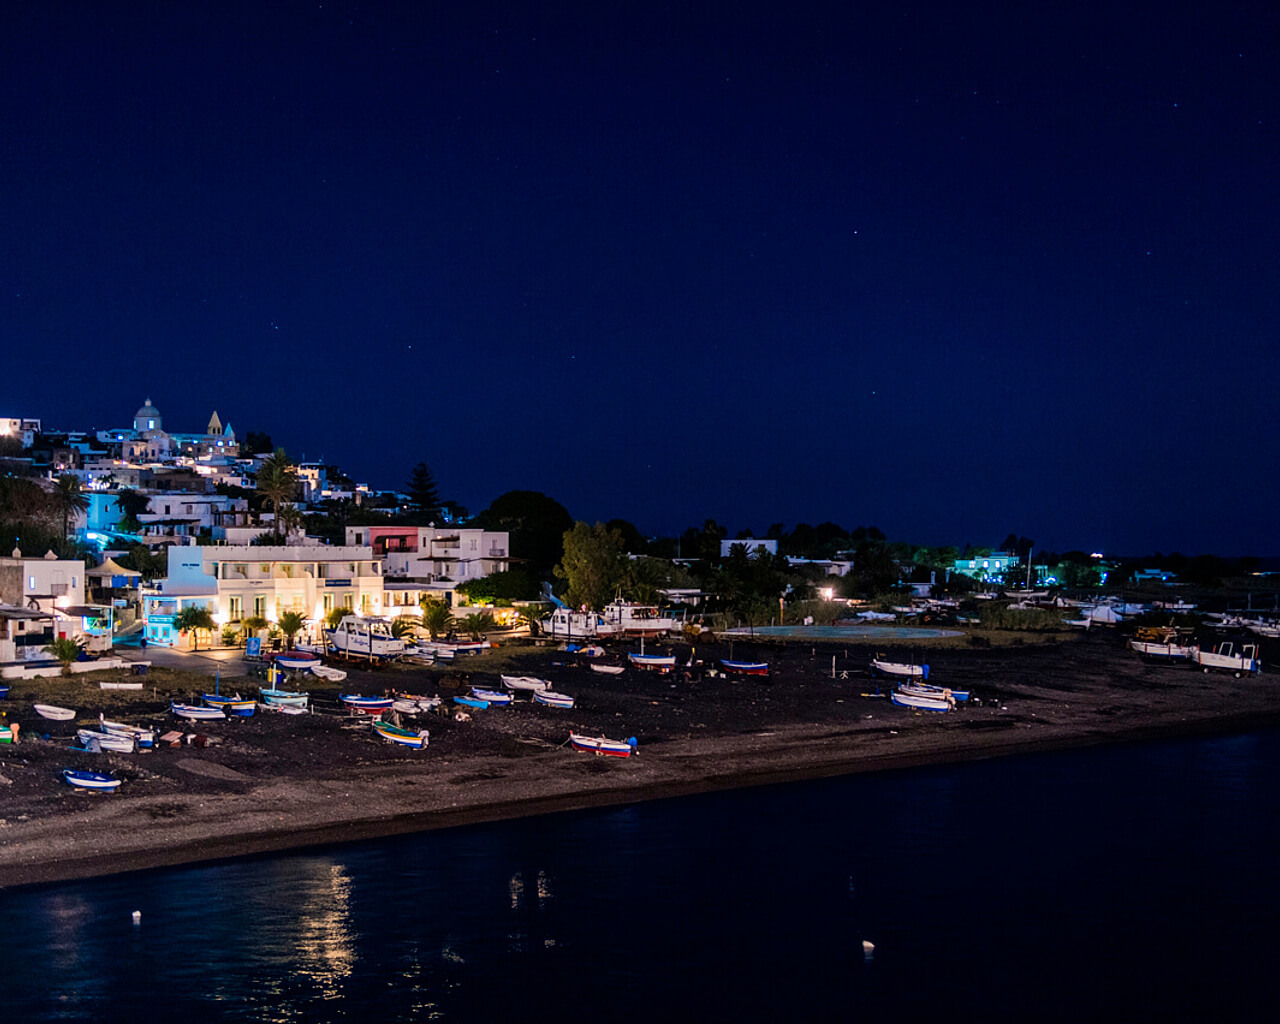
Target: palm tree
(477,623)
(436,617)
(531,618)
(69,499)
(193,619)
(403,627)
(335,616)
(252,625)
(65,650)
(277,483)
(291,624)
(289,519)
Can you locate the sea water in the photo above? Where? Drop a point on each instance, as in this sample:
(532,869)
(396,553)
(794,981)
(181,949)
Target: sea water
(1133,882)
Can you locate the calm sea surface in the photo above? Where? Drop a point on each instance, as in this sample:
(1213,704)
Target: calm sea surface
(1134,883)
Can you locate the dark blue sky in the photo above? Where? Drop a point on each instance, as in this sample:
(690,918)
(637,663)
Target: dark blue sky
(952,273)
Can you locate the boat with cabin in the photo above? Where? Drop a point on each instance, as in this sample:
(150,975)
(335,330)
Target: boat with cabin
(1228,656)
(362,637)
(619,619)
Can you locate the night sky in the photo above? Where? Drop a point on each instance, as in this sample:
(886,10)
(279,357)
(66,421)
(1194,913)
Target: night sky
(953,273)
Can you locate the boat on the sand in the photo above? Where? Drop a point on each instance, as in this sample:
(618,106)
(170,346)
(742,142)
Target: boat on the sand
(525,684)
(283,698)
(899,669)
(745,668)
(929,690)
(54,713)
(495,697)
(144,737)
(921,703)
(1227,657)
(196,713)
(658,661)
(471,702)
(369,705)
(89,780)
(92,739)
(607,670)
(551,699)
(396,734)
(601,745)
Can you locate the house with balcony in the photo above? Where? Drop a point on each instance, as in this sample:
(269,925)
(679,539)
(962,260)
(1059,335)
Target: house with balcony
(435,554)
(45,597)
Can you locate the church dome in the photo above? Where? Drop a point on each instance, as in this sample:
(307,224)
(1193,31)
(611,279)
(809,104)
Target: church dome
(147,418)
(147,410)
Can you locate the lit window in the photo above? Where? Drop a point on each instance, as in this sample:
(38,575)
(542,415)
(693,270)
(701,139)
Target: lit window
(31,583)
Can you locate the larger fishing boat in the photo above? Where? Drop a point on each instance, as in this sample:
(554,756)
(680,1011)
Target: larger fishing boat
(619,619)
(362,638)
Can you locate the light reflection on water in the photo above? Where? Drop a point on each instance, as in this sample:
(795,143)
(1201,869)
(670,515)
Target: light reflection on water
(1101,868)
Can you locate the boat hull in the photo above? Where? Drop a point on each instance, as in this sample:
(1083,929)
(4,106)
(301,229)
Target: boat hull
(193,713)
(551,699)
(90,780)
(404,737)
(916,703)
(600,746)
(54,714)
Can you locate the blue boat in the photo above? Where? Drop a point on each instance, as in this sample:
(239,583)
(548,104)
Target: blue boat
(495,697)
(471,702)
(746,668)
(89,780)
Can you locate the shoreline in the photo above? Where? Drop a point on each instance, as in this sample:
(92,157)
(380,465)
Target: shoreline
(793,760)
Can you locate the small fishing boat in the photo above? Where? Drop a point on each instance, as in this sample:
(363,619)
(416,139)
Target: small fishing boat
(600,745)
(471,702)
(96,741)
(405,737)
(405,707)
(369,705)
(919,703)
(333,675)
(195,713)
(495,697)
(660,661)
(297,661)
(120,686)
(54,714)
(283,698)
(900,669)
(6,734)
(145,738)
(552,699)
(420,701)
(927,690)
(527,684)
(608,670)
(234,705)
(745,668)
(89,780)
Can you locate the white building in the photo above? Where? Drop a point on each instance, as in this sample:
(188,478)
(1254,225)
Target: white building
(25,430)
(432,554)
(50,589)
(236,582)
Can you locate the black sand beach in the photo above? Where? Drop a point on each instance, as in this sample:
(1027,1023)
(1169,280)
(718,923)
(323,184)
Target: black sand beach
(278,782)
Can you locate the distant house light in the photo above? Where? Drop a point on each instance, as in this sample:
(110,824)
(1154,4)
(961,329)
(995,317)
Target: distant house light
(31,583)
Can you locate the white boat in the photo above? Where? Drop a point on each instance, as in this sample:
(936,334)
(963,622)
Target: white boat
(608,670)
(926,690)
(120,686)
(525,684)
(551,699)
(619,619)
(54,714)
(193,712)
(296,660)
(96,741)
(898,668)
(360,637)
(921,703)
(333,675)
(1165,643)
(145,738)
(494,698)
(658,661)
(283,698)
(601,745)
(1226,657)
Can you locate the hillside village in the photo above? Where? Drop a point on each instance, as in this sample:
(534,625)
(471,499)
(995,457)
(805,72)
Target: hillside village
(119,533)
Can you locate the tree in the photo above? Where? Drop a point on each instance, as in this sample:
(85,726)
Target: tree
(593,565)
(436,617)
(192,619)
(333,618)
(65,650)
(291,624)
(516,584)
(476,624)
(531,618)
(69,499)
(536,523)
(277,483)
(289,519)
(404,627)
(424,495)
(256,443)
